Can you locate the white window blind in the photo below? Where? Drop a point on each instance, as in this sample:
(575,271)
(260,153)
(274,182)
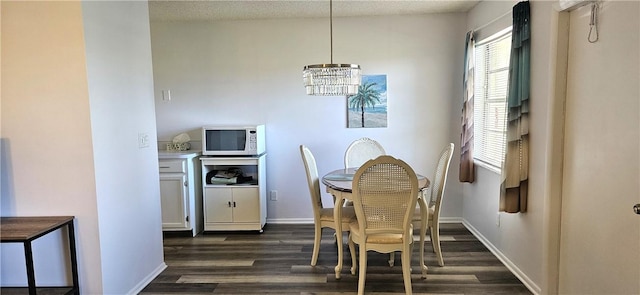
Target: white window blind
(490,99)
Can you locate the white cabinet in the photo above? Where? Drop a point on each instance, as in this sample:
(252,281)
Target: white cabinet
(237,206)
(180,193)
(174,201)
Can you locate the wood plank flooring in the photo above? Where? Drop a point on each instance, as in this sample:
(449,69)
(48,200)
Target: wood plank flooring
(278,262)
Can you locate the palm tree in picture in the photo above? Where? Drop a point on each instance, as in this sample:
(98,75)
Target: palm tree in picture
(368,95)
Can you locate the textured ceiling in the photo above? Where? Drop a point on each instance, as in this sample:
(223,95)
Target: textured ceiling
(181,10)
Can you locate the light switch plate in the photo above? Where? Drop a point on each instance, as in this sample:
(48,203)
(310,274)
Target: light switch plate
(143,140)
(166,95)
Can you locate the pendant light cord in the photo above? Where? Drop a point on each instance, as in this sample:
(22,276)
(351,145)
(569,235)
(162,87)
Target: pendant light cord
(331,27)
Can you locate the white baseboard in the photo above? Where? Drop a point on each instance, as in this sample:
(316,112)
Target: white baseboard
(450,220)
(146,281)
(535,289)
(290,220)
(310,220)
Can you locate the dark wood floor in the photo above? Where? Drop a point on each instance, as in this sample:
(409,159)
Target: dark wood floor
(278,262)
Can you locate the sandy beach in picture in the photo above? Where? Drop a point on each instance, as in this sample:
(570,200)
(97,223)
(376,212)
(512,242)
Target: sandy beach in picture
(371,120)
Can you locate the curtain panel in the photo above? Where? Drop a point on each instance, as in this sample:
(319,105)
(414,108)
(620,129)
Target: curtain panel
(515,169)
(467,170)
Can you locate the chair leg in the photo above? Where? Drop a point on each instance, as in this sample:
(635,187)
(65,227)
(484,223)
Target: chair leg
(406,268)
(392,259)
(316,245)
(435,241)
(363,269)
(352,250)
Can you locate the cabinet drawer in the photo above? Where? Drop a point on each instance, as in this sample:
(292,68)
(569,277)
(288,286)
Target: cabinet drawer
(172,166)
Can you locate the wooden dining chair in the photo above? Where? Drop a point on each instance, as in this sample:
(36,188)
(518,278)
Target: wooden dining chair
(362,150)
(433,197)
(322,217)
(384,193)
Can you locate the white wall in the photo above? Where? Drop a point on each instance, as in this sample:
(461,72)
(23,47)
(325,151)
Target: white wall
(46,132)
(69,132)
(227,72)
(518,240)
(601,167)
(120,76)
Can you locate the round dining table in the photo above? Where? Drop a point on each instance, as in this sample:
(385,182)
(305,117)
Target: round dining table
(339,185)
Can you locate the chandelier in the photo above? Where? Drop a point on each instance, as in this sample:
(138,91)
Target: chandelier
(331,79)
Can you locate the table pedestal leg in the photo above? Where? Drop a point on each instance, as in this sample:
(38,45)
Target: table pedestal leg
(423,266)
(337,215)
(424,211)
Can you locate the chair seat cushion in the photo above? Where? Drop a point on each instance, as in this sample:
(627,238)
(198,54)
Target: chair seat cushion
(348,214)
(354,228)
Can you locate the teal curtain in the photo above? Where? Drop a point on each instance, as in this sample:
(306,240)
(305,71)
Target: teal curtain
(515,169)
(467,170)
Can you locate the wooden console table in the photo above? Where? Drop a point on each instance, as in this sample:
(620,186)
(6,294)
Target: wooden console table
(26,229)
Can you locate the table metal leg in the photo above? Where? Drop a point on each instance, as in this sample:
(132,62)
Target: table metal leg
(74,259)
(31,277)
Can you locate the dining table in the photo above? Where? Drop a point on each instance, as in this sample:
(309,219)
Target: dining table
(339,184)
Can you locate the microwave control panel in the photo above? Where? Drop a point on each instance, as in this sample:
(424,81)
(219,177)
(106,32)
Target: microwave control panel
(252,141)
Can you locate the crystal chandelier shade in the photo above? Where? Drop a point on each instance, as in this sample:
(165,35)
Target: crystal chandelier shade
(332,79)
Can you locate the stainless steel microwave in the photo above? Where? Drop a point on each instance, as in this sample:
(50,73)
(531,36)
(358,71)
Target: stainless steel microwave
(233,140)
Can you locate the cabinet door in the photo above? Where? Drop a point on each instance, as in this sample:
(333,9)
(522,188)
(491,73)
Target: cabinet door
(218,205)
(173,201)
(247,204)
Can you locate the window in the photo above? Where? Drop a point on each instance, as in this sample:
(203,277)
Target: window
(490,99)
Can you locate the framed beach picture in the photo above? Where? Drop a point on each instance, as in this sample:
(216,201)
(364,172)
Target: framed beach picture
(368,108)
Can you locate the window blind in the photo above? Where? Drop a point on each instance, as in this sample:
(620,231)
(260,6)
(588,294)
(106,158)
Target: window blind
(490,99)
